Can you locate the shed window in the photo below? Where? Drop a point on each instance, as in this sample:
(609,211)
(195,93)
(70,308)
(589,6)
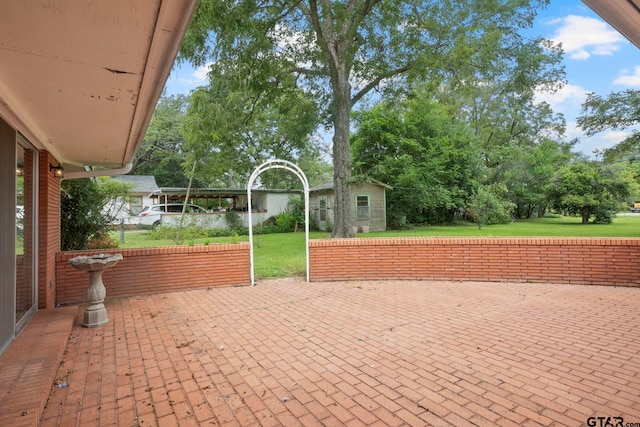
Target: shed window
(322,206)
(135,205)
(362,207)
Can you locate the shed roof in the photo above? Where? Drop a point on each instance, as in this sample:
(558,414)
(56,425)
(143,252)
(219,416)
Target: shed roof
(144,184)
(357,180)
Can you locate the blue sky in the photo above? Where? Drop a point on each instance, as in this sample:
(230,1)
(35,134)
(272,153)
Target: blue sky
(597,59)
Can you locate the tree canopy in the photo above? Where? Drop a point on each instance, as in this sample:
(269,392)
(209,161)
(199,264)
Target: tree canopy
(592,189)
(431,159)
(338,52)
(230,130)
(617,111)
(162,153)
(526,172)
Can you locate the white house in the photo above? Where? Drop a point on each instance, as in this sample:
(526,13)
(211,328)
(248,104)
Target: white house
(218,201)
(127,210)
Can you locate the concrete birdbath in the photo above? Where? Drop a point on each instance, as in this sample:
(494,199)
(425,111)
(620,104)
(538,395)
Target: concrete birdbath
(96,313)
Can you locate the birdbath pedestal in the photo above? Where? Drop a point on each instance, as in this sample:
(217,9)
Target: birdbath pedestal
(96,313)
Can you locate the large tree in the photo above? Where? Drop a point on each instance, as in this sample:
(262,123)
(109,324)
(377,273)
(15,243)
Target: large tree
(340,51)
(591,189)
(161,153)
(500,104)
(527,171)
(431,159)
(230,129)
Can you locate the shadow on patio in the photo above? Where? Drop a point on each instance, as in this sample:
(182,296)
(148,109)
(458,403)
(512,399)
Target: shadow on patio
(354,353)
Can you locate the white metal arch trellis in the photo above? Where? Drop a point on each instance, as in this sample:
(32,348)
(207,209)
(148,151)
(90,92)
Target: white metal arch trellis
(291,167)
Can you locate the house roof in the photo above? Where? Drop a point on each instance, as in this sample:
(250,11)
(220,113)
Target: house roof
(144,184)
(324,186)
(329,184)
(81,79)
(623,15)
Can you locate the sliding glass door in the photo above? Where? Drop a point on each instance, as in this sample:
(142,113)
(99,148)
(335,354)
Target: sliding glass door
(25,301)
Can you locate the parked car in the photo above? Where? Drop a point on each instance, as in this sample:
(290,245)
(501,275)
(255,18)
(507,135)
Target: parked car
(635,207)
(152,215)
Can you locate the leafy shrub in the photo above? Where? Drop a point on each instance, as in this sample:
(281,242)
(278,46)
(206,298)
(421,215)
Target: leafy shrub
(103,242)
(233,219)
(397,220)
(296,208)
(286,221)
(82,215)
(488,207)
(603,216)
(290,220)
(194,232)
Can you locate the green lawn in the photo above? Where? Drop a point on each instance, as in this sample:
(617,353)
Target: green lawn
(623,226)
(280,255)
(275,255)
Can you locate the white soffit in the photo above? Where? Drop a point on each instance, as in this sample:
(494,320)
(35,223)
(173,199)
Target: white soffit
(81,78)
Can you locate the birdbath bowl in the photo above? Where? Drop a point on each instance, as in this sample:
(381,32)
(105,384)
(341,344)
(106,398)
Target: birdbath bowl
(96,313)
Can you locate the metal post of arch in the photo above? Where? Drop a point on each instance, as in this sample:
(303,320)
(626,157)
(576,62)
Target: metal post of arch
(278,164)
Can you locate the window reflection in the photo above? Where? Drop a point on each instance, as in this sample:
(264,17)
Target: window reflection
(24,232)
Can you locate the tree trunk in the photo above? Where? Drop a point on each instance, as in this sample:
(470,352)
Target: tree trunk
(541,211)
(342,226)
(585,214)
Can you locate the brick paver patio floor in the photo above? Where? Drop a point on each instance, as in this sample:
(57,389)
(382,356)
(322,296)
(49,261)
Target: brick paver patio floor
(386,353)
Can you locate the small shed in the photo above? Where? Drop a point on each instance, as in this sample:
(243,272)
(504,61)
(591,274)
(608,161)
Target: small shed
(368,208)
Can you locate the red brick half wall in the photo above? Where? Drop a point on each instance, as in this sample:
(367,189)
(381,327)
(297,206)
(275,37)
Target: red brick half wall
(156,270)
(589,261)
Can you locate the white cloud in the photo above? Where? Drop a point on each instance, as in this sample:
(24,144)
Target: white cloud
(615,137)
(566,100)
(628,78)
(573,131)
(582,37)
(201,73)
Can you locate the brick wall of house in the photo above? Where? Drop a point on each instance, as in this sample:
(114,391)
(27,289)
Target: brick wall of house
(157,270)
(593,261)
(48,230)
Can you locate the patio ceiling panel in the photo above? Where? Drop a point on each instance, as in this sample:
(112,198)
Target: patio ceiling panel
(81,79)
(623,15)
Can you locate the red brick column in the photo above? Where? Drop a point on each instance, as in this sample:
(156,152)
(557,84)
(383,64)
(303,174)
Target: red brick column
(48,230)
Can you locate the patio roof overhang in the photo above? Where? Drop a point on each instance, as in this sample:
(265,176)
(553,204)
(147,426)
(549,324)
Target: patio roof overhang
(173,193)
(81,79)
(623,15)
